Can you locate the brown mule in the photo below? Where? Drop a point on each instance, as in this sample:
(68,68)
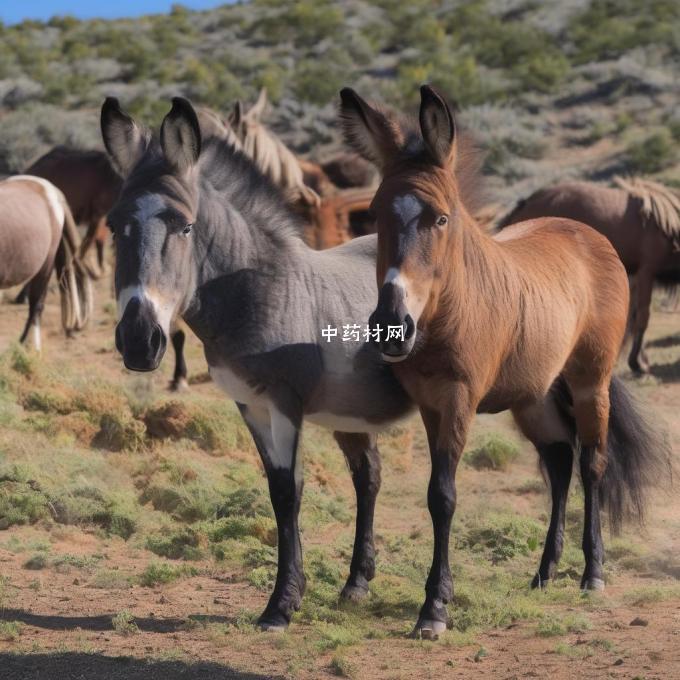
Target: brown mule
(530,320)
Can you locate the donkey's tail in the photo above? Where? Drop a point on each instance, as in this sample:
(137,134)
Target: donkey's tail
(639,458)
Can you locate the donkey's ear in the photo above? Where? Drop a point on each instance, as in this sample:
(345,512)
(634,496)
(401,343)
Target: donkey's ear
(125,141)
(236,116)
(258,108)
(369,131)
(437,126)
(181,135)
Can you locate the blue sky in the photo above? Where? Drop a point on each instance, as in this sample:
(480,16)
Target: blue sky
(14,11)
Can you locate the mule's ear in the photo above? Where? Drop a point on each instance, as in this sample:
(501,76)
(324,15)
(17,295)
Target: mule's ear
(367,130)
(259,107)
(237,114)
(437,126)
(181,135)
(125,141)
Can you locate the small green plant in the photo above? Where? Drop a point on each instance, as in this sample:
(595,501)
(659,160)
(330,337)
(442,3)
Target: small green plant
(158,573)
(124,623)
(341,666)
(22,362)
(10,630)
(495,452)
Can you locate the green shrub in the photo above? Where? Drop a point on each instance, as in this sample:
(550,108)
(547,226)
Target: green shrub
(651,154)
(181,544)
(494,453)
(124,623)
(158,573)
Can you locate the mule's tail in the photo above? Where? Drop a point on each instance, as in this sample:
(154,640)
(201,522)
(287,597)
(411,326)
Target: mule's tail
(639,458)
(75,286)
(638,454)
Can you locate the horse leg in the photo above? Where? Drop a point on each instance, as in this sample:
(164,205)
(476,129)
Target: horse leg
(179,378)
(446,437)
(276,437)
(361,453)
(37,291)
(642,291)
(543,424)
(22,296)
(591,410)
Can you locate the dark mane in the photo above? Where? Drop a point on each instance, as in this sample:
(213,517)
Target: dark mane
(251,193)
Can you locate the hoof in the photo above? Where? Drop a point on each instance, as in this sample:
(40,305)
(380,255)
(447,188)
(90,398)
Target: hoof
(427,629)
(272,624)
(539,582)
(592,584)
(180,385)
(352,593)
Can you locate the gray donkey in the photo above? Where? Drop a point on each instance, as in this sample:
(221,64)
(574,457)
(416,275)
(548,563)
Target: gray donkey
(203,235)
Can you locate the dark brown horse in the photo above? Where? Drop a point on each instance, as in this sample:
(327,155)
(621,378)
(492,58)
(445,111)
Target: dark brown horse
(640,218)
(38,236)
(530,320)
(90,184)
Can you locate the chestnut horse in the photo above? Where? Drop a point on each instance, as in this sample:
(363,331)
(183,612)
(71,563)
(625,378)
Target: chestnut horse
(530,320)
(38,236)
(640,218)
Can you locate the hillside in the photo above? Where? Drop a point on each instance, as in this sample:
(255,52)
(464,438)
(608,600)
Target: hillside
(553,89)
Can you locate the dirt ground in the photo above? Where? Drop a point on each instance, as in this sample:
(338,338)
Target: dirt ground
(189,628)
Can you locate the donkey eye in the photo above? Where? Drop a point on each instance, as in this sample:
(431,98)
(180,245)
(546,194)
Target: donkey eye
(187,230)
(442,220)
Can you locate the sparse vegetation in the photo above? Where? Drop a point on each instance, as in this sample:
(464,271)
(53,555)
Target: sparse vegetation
(124,623)
(494,452)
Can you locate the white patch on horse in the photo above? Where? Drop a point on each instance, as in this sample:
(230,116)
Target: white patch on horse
(164,310)
(148,206)
(54,197)
(36,335)
(126,230)
(237,388)
(277,434)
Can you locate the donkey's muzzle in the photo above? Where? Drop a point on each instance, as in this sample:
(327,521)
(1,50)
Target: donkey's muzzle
(394,330)
(139,337)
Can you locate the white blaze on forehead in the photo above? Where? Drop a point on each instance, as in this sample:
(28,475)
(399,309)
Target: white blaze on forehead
(52,194)
(407,208)
(163,308)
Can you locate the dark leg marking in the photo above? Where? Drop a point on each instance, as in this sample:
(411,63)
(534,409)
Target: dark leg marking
(363,458)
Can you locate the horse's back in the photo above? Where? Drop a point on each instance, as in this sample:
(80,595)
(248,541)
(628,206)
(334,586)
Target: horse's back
(29,227)
(610,211)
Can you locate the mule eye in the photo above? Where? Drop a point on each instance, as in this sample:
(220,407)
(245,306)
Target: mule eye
(187,230)
(442,220)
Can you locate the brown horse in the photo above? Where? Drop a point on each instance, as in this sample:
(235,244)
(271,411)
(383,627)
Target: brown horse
(38,235)
(640,218)
(90,184)
(530,320)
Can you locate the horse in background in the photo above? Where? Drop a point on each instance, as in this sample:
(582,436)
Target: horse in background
(530,320)
(332,198)
(640,218)
(38,236)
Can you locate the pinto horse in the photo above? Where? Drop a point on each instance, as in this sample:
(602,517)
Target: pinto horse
(202,234)
(529,320)
(38,236)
